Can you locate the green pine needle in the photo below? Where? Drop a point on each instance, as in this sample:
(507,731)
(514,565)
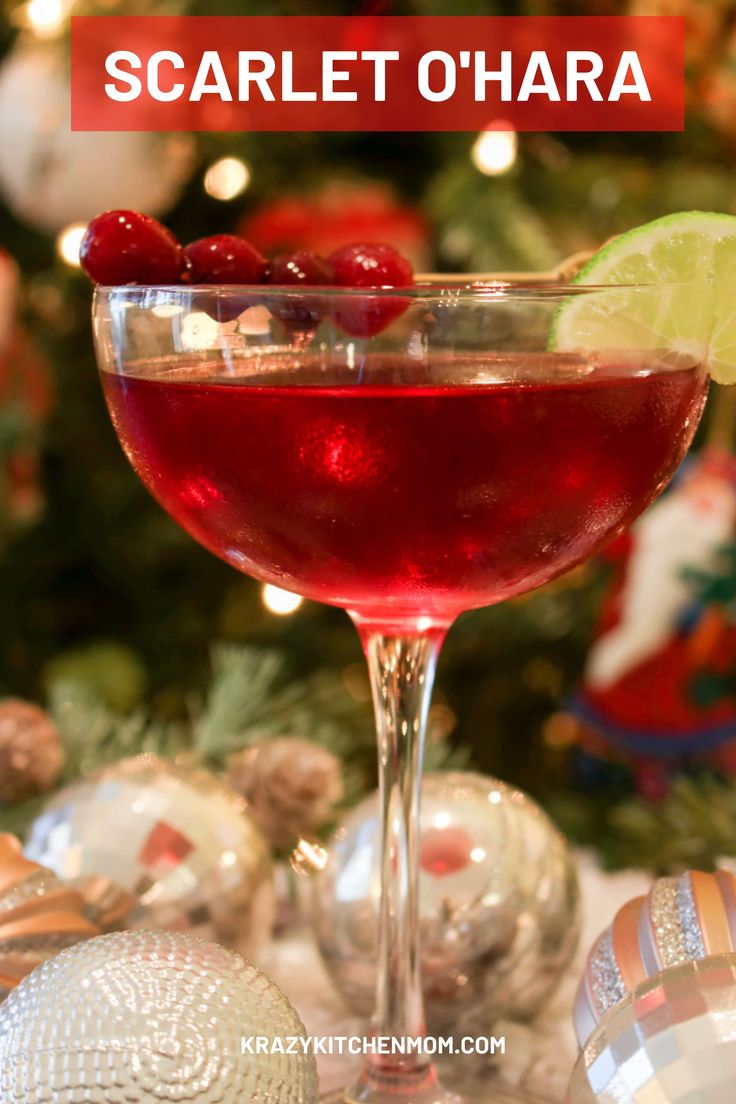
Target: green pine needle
(250,697)
(693,826)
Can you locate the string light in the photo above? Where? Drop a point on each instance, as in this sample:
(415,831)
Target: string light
(494,151)
(68,243)
(227,178)
(45,17)
(281,602)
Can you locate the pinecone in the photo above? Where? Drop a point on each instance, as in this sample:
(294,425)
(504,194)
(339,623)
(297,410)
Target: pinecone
(31,754)
(291,786)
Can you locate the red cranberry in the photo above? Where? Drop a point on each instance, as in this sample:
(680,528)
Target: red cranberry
(224,259)
(371,265)
(302,267)
(367,265)
(300,314)
(126,247)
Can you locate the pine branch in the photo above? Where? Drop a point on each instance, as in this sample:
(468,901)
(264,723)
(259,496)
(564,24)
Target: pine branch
(717,586)
(488,225)
(441,755)
(95,736)
(695,825)
(250,699)
(243,679)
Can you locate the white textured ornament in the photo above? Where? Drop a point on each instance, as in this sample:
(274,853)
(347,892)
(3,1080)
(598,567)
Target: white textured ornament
(52,176)
(144,1017)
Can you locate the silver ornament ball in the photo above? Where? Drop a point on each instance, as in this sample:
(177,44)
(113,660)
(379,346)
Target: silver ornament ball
(51,175)
(175,837)
(149,1017)
(498,903)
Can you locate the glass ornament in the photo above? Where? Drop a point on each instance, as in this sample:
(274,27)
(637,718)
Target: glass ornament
(672,1040)
(498,902)
(174,836)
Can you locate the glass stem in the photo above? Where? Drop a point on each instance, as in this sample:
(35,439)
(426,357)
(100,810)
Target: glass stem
(401,671)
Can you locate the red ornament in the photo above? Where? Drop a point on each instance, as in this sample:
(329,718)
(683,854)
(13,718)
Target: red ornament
(335,215)
(25,389)
(24,385)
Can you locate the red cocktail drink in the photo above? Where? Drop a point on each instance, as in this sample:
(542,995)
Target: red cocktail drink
(406,500)
(406,454)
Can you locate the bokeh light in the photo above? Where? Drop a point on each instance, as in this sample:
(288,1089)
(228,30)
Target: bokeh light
(278,601)
(494,151)
(45,17)
(68,243)
(227,178)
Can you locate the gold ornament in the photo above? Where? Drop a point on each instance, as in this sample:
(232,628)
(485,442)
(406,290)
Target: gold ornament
(31,754)
(291,786)
(38,915)
(179,840)
(106,904)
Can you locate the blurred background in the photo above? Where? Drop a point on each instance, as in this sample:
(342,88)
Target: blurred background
(100,590)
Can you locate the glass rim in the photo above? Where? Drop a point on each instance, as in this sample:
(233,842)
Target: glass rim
(478,290)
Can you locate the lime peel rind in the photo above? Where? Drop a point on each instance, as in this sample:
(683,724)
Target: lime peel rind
(677,279)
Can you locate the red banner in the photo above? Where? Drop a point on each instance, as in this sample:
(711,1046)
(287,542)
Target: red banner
(380,73)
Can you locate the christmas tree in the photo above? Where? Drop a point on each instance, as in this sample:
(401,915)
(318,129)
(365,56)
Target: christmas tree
(98,586)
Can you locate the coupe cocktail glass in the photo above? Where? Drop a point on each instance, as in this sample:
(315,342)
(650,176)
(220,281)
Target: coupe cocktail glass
(405,456)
